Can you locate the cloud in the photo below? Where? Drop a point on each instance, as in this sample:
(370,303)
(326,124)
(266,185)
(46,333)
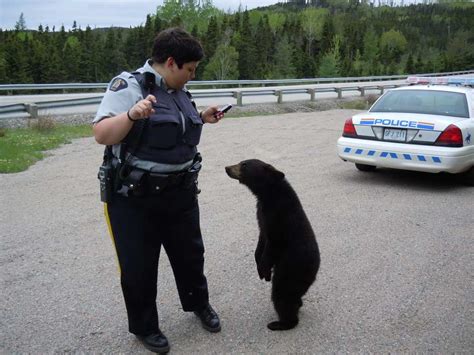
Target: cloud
(95,13)
(84,12)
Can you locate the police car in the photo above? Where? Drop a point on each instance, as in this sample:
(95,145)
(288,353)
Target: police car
(426,126)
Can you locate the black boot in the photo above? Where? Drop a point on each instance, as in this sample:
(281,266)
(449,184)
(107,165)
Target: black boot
(155,342)
(209,319)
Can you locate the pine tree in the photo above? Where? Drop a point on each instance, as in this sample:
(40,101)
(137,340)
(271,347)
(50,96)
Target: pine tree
(419,65)
(236,22)
(71,55)
(149,32)
(283,60)
(246,50)
(4,78)
(157,24)
(87,63)
(20,25)
(331,63)
(16,58)
(212,37)
(328,35)
(370,55)
(409,67)
(264,42)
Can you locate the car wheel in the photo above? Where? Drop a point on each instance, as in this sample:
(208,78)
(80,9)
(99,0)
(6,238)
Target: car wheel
(364,167)
(468,177)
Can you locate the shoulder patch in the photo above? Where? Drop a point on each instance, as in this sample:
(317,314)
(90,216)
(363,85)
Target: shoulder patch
(118,84)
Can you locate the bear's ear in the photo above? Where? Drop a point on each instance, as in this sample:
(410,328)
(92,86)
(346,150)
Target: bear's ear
(279,175)
(274,173)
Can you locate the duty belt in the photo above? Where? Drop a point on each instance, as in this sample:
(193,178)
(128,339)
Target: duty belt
(138,182)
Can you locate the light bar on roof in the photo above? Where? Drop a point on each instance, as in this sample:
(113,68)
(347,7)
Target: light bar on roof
(440,80)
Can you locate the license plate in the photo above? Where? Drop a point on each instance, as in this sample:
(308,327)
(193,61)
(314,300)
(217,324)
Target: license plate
(398,135)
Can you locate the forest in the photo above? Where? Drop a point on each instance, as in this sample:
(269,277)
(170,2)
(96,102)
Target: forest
(296,39)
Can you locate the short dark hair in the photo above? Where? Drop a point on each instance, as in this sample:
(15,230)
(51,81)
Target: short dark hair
(177,43)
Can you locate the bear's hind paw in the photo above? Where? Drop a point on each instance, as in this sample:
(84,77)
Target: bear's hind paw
(281,325)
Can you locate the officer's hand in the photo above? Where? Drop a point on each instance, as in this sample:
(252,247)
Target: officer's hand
(211,115)
(143,108)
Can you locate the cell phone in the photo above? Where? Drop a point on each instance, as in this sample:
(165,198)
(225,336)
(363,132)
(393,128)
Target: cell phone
(225,108)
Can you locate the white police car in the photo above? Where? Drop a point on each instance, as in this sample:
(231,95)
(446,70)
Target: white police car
(427,127)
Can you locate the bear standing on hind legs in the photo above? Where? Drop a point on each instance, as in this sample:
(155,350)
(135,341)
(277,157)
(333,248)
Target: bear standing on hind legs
(286,242)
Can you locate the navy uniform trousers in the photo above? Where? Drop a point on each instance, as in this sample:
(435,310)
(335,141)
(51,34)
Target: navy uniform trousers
(139,227)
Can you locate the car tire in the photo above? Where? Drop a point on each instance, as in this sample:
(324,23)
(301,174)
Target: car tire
(365,167)
(467,177)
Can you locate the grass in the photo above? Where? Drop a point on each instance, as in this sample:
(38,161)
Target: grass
(22,147)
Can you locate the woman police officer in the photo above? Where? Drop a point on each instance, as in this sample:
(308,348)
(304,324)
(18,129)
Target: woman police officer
(152,124)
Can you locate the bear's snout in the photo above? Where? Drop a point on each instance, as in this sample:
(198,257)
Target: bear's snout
(233,171)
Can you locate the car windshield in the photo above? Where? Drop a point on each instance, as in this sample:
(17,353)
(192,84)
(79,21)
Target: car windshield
(423,101)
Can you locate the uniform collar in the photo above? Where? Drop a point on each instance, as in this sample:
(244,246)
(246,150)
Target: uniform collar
(159,81)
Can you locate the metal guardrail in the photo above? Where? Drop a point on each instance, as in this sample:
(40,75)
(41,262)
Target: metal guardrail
(236,93)
(233,83)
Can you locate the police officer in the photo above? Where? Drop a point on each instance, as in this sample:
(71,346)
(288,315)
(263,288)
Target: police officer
(152,126)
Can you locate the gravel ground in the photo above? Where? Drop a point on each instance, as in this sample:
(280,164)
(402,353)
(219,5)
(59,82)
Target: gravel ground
(396,274)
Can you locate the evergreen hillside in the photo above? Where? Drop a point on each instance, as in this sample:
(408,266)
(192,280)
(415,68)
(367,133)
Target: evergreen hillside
(326,38)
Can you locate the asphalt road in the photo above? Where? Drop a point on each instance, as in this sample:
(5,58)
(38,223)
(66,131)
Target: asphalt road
(247,99)
(396,247)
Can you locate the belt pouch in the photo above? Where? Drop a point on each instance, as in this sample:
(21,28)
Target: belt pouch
(190,179)
(134,182)
(157,182)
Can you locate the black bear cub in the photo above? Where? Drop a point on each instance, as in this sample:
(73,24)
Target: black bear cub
(286,242)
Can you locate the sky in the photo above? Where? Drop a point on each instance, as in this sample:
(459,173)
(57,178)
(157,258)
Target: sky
(95,13)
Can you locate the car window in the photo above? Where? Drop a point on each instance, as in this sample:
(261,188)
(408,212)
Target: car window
(423,101)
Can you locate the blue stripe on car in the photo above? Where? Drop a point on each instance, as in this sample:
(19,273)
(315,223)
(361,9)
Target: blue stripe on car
(393,155)
(423,126)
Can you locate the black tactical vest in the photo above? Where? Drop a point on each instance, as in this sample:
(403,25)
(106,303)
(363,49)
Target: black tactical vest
(166,137)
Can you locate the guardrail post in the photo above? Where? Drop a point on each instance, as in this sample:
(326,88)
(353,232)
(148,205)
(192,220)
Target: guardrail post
(381,89)
(238,96)
(312,96)
(279,96)
(362,91)
(32,109)
(339,93)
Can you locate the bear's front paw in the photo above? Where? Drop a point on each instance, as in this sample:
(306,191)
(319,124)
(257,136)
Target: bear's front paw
(264,273)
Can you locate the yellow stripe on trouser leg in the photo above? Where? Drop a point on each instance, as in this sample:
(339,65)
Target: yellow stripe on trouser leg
(107,219)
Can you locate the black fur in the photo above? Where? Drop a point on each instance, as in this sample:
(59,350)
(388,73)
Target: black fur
(286,242)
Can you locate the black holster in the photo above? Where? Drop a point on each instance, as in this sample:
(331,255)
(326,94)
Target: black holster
(106,176)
